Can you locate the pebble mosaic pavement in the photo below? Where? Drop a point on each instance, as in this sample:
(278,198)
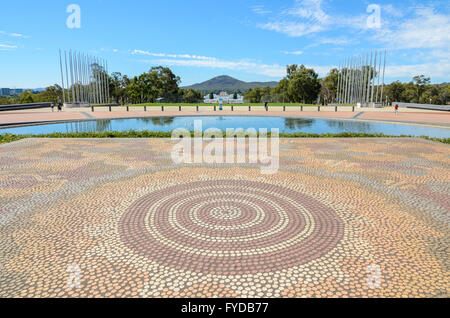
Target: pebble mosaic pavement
(137,225)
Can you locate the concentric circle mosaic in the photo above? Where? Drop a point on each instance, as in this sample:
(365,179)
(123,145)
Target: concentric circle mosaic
(117,218)
(230,227)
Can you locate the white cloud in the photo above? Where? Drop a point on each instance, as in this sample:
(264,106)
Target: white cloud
(433,70)
(7,47)
(273,70)
(260,9)
(293,52)
(185,56)
(292,29)
(310,10)
(427,29)
(14,34)
(313,19)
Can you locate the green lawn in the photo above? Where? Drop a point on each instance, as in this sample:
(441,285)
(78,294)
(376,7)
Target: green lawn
(6,138)
(204,105)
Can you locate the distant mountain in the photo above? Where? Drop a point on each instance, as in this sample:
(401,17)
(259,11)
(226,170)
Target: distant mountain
(229,84)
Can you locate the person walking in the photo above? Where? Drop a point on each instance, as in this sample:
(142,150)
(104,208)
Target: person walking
(266,106)
(396,109)
(59,106)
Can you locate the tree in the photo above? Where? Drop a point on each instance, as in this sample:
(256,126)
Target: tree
(52,94)
(326,94)
(304,84)
(235,96)
(409,94)
(329,85)
(192,96)
(26,97)
(420,81)
(253,95)
(394,91)
(280,92)
(211,95)
(118,87)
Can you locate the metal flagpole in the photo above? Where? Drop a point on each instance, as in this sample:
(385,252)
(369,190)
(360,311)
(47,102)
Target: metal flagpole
(107,82)
(369,75)
(350,86)
(359,68)
(352,79)
(104,80)
(67,78)
(374,77)
(75,76)
(83,69)
(384,69)
(338,83)
(62,77)
(346,82)
(86,63)
(100,75)
(365,78)
(83,90)
(80,76)
(86,78)
(97,79)
(360,85)
(91,91)
(77,87)
(361,98)
(379,76)
(72,76)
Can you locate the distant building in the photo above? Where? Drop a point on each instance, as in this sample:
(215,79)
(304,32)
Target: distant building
(17,91)
(5,92)
(225,97)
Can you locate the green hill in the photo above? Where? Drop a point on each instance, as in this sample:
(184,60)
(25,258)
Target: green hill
(229,84)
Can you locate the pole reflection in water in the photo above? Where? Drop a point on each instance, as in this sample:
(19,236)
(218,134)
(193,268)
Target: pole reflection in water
(89,126)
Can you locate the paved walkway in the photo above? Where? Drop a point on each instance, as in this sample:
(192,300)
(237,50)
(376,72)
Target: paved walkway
(116,218)
(413,116)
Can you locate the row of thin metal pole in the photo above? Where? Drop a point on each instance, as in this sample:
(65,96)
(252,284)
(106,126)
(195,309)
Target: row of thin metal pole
(360,79)
(84,78)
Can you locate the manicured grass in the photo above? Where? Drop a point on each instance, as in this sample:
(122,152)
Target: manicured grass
(6,138)
(228,105)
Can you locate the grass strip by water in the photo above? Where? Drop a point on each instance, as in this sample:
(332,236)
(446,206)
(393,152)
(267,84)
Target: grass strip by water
(6,138)
(217,104)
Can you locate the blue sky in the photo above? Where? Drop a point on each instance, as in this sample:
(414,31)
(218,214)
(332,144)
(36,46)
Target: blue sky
(199,39)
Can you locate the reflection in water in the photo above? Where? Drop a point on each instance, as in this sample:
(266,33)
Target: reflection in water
(159,121)
(89,126)
(355,126)
(297,123)
(289,125)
